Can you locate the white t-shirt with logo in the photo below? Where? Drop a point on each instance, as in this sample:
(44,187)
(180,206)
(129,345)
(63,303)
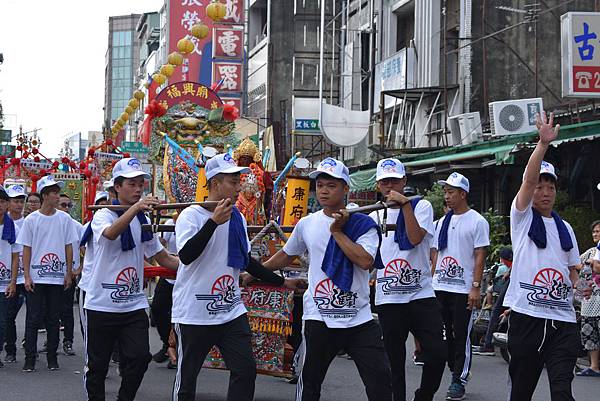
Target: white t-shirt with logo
(407,274)
(169,237)
(88,261)
(206,291)
(116,277)
(47,237)
(323,301)
(456,264)
(20,275)
(540,285)
(77,232)
(6,251)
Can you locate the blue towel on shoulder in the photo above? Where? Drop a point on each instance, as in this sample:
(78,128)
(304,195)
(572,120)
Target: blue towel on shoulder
(537,231)
(443,237)
(336,264)
(237,255)
(8,231)
(87,235)
(127,242)
(400,236)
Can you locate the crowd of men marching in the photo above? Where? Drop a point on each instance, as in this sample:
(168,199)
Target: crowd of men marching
(428,277)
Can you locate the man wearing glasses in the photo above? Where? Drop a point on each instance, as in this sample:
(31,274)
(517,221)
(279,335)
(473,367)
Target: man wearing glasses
(33,203)
(66,314)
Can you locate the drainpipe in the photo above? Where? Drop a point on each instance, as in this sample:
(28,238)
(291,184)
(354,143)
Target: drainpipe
(464,55)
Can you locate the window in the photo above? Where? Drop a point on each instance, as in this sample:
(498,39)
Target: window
(405,25)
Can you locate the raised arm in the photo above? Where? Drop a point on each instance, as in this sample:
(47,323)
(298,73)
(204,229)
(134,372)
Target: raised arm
(547,132)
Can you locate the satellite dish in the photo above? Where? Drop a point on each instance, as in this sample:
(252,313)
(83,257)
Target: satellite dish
(343,127)
(301,162)
(209,151)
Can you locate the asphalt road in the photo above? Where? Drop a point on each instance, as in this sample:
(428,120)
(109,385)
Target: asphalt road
(488,382)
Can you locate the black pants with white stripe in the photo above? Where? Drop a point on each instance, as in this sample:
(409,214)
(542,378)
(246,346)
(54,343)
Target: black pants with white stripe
(422,318)
(104,329)
(234,341)
(534,343)
(363,343)
(457,330)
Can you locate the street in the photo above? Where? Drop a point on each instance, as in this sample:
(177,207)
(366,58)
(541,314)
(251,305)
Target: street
(488,382)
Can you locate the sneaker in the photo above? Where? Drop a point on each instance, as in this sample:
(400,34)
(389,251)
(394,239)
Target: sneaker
(52,362)
(29,366)
(293,380)
(483,350)
(456,392)
(171,365)
(161,356)
(417,359)
(68,348)
(10,358)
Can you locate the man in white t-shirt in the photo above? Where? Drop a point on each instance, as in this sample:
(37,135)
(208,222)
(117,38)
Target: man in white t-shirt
(115,301)
(461,240)
(46,237)
(337,312)
(542,330)
(207,307)
(17,196)
(404,295)
(9,262)
(66,314)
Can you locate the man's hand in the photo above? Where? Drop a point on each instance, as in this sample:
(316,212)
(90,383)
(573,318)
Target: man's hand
(340,220)
(76,273)
(68,281)
(294,283)
(29,285)
(397,197)
(222,212)
(245,279)
(546,129)
(11,290)
(474,301)
(146,203)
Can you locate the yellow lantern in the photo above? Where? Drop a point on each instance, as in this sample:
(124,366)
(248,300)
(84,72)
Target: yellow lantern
(129,110)
(185,46)
(175,59)
(159,78)
(124,117)
(199,30)
(134,103)
(167,70)
(216,11)
(139,95)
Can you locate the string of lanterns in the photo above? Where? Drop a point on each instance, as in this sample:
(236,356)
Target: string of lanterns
(216,11)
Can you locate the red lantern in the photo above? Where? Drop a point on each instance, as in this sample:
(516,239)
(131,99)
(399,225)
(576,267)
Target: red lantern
(230,113)
(55,165)
(109,141)
(15,161)
(91,152)
(73,165)
(34,177)
(65,160)
(36,159)
(25,155)
(19,148)
(95,180)
(35,151)
(43,172)
(81,165)
(126,155)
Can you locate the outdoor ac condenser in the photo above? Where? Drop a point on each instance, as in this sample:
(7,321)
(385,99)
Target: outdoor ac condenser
(465,128)
(512,117)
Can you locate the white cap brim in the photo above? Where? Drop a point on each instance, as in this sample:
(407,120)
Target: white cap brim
(445,183)
(60,184)
(14,195)
(389,175)
(230,170)
(133,174)
(315,174)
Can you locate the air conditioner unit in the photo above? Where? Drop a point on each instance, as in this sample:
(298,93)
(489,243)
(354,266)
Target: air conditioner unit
(373,136)
(465,128)
(514,116)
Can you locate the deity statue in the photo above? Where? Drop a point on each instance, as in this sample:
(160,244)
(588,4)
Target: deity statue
(256,185)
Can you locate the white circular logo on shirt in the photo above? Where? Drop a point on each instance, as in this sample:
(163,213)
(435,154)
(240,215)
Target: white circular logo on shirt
(50,266)
(548,290)
(450,271)
(223,296)
(127,286)
(332,302)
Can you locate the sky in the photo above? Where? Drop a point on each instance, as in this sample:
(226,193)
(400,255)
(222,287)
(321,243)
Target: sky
(52,77)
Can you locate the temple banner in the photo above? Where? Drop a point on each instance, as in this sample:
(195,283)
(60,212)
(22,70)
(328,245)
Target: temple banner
(296,200)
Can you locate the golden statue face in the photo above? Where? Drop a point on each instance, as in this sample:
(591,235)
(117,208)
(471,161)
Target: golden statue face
(247,148)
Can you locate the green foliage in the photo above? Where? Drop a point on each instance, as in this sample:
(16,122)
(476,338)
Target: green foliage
(499,235)
(435,196)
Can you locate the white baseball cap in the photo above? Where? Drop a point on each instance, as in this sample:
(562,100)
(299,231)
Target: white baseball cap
(456,180)
(332,167)
(101,195)
(390,168)
(16,191)
(223,164)
(108,184)
(129,167)
(48,181)
(548,168)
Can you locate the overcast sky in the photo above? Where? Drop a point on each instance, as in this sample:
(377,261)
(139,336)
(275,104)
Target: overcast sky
(53,72)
